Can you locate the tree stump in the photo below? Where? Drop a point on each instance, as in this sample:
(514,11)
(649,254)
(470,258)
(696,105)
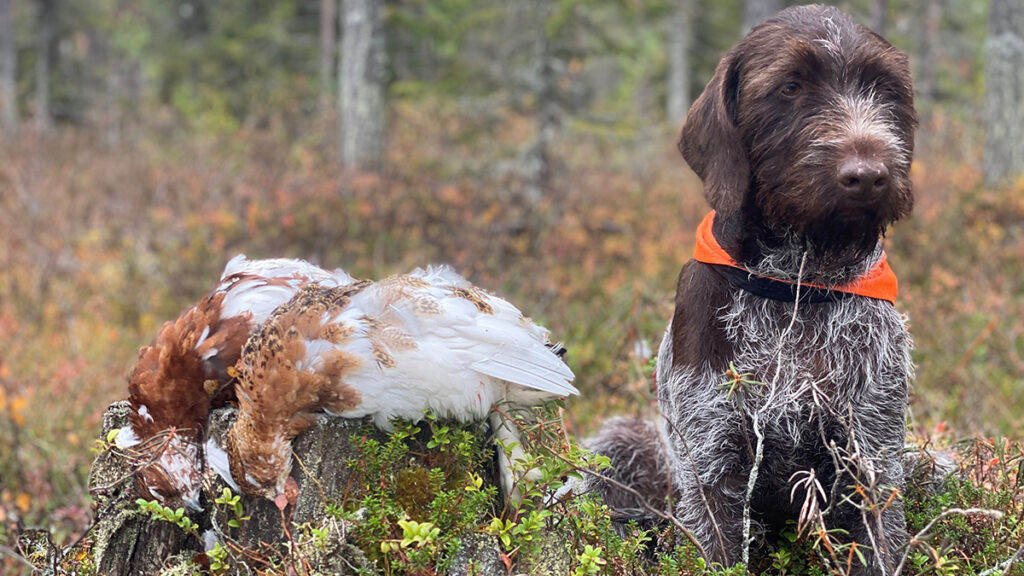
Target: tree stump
(123,540)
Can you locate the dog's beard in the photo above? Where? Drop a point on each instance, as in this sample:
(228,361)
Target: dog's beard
(791,256)
(819,236)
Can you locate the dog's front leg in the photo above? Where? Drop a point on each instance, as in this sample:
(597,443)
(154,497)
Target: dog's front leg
(875,466)
(711,467)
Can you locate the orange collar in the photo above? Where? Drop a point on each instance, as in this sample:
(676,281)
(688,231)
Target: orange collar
(879,283)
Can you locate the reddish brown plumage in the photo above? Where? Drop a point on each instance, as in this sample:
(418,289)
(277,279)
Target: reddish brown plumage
(184,373)
(171,388)
(277,398)
(170,375)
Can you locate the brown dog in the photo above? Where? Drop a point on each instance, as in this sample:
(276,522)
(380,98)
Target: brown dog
(783,374)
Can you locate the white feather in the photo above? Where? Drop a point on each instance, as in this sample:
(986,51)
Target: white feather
(530,371)
(257,287)
(126,437)
(210,539)
(429,341)
(203,336)
(217,460)
(464,359)
(440,276)
(282,268)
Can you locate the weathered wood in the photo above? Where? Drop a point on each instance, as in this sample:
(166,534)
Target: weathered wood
(126,541)
(320,467)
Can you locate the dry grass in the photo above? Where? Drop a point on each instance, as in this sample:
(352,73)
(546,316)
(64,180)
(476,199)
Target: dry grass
(100,244)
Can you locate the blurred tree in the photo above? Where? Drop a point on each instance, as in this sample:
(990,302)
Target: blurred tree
(8,71)
(328,50)
(547,110)
(880,15)
(596,66)
(46,15)
(225,63)
(679,40)
(716,28)
(1004,91)
(756,11)
(362,78)
(548,83)
(928,55)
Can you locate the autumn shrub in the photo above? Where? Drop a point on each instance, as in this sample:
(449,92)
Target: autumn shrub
(960,266)
(103,242)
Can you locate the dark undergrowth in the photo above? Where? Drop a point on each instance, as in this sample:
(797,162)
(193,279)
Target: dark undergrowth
(99,244)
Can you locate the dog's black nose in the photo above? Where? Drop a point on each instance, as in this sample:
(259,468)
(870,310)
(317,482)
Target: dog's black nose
(859,175)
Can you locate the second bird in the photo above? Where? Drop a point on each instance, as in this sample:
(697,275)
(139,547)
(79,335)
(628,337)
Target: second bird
(428,340)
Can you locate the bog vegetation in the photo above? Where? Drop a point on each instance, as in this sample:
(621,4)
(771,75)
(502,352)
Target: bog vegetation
(110,225)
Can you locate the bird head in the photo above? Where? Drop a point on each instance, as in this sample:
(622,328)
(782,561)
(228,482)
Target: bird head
(261,468)
(173,476)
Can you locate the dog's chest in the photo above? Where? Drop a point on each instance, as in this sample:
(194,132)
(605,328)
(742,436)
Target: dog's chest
(815,356)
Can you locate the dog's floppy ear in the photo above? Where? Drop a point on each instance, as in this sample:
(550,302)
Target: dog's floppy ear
(710,142)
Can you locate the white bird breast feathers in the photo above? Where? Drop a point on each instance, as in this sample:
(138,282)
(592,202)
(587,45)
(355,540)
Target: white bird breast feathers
(455,359)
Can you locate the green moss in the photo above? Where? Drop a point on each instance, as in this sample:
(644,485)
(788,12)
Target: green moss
(989,479)
(414,490)
(425,474)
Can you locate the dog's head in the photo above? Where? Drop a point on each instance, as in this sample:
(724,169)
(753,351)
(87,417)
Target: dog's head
(807,128)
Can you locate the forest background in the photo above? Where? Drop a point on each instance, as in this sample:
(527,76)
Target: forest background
(530,144)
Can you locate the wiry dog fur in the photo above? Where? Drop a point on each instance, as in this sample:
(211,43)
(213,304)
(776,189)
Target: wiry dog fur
(803,139)
(640,461)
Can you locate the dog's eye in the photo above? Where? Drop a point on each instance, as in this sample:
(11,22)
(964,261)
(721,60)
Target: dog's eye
(791,89)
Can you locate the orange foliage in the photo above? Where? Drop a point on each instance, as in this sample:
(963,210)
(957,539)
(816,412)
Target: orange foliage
(100,245)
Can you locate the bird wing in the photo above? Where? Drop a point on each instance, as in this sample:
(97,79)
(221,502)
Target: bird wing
(490,335)
(282,268)
(509,351)
(257,287)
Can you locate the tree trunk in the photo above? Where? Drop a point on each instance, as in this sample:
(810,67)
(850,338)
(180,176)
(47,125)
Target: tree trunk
(8,71)
(44,39)
(1004,91)
(679,40)
(756,11)
(126,542)
(362,84)
(122,541)
(328,34)
(880,15)
(929,55)
(537,161)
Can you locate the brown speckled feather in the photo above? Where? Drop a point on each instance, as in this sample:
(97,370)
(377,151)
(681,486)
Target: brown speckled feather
(278,396)
(185,371)
(428,340)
